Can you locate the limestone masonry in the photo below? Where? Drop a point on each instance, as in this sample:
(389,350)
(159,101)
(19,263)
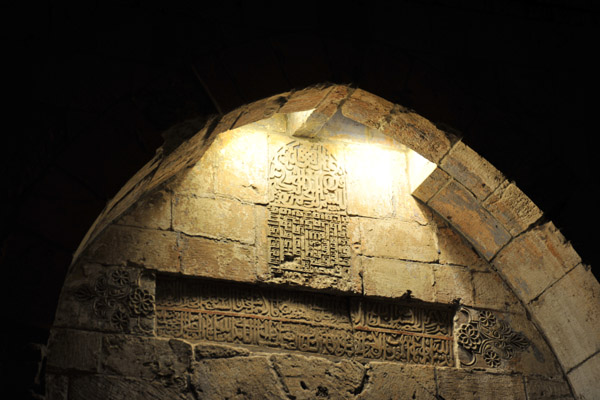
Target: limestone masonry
(298,249)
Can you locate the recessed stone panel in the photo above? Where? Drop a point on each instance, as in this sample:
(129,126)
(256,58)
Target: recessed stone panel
(318,323)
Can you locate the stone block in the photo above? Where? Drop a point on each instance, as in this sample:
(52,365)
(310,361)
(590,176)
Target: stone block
(397,381)
(123,245)
(315,120)
(569,314)
(154,359)
(184,155)
(431,185)
(241,164)
(204,350)
(261,109)
(470,385)
(238,377)
(153,212)
(455,249)
(472,170)
(370,189)
(339,128)
(305,99)
(217,259)
(417,133)
(538,359)
(452,284)
(393,238)
(57,387)
(492,292)
(107,299)
(216,218)
(70,349)
(396,278)
(535,260)
(457,205)
(584,379)
(101,387)
(226,122)
(199,178)
(305,378)
(509,205)
(543,389)
(367,109)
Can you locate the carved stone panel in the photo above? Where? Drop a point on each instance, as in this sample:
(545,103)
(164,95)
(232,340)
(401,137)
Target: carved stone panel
(484,340)
(307,219)
(118,302)
(311,322)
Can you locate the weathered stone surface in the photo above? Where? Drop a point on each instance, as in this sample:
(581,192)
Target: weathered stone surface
(211,350)
(367,109)
(314,121)
(100,387)
(457,204)
(159,360)
(452,283)
(492,292)
(70,349)
(97,297)
(431,185)
(472,170)
(417,133)
(153,211)
(341,129)
(397,381)
(543,389)
(370,190)
(538,359)
(226,122)
(584,379)
(469,385)
(57,387)
(122,245)
(313,377)
(509,205)
(217,259)
(236,378)
(397,239)
(455,250)
(305,99)
(199,178)
(242,164)
(261,109)
(185,155)
(215,218)
(535,260)
(569,314)
(396,278)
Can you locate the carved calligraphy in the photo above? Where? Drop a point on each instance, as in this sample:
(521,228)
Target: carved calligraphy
(307,222)
(303,321)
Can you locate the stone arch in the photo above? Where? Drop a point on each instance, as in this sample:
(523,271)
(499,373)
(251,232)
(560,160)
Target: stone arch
(507,231)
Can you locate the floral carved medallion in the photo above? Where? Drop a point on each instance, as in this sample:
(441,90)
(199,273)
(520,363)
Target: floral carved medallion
(116,298)
(486,340)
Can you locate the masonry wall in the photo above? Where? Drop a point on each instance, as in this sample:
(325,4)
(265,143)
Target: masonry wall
(211,221)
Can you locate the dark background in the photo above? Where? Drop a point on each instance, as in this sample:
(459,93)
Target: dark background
(93,84)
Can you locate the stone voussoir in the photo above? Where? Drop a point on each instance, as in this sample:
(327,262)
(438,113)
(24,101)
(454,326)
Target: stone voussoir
(472,170)
(459,206)
(569,314)
(509,205)
(535,260)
